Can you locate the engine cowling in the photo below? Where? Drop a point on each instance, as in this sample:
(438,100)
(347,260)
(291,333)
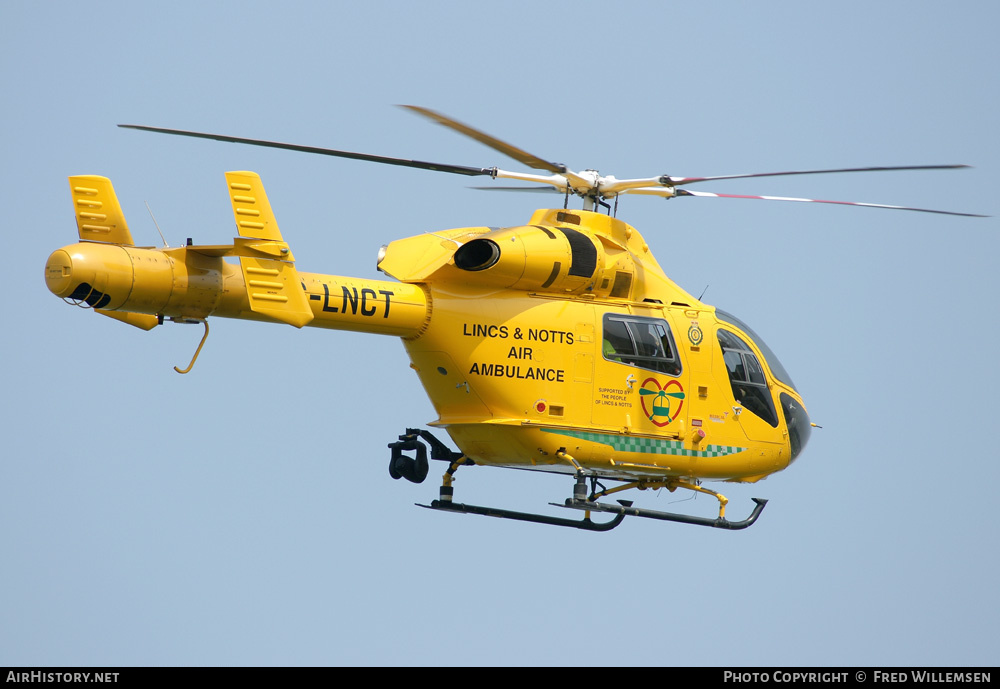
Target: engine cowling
(558,253)
(533,257)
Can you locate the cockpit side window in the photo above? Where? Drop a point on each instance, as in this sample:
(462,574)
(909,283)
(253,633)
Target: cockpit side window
(747,377)
(643,342)
(617,341)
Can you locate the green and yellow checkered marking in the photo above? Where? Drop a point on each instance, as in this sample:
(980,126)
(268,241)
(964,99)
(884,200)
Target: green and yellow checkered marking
(651,446)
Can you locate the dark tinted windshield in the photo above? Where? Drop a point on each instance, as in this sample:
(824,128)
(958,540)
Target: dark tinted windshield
(799,426)
(772,360)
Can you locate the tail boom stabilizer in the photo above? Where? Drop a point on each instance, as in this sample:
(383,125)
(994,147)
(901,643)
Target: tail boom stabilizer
(273,285)
(99,216)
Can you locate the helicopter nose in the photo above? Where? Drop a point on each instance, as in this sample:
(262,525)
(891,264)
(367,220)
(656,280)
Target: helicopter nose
(797,420)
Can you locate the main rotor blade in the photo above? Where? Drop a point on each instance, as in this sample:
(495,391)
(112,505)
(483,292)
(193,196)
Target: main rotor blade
(535,190)
(494,143)
(677,181)
(438,167)
(684,192)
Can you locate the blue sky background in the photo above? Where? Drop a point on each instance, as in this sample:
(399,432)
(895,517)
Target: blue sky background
(155,519)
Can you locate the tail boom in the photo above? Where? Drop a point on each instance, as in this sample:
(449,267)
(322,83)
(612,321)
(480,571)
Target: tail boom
(184,283)
(141,286)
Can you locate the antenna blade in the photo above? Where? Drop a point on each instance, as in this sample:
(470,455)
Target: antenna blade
(494,143)
(385,160)
(157,225)
(684,192)
(677,181)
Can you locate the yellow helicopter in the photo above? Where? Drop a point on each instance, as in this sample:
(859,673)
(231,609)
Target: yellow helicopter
(557,346)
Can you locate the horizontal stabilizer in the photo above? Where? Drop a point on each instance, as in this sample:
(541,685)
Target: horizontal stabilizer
(99,217)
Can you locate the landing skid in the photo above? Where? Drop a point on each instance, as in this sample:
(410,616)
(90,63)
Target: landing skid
(622,510)
(625,508)
(586,524)
(415,469)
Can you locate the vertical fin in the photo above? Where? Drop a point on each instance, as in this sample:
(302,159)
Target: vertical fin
(143,321)
(251,209)
(274,290)
(99,216)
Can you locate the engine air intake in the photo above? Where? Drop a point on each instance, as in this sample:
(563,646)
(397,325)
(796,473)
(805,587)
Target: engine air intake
(479,254)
